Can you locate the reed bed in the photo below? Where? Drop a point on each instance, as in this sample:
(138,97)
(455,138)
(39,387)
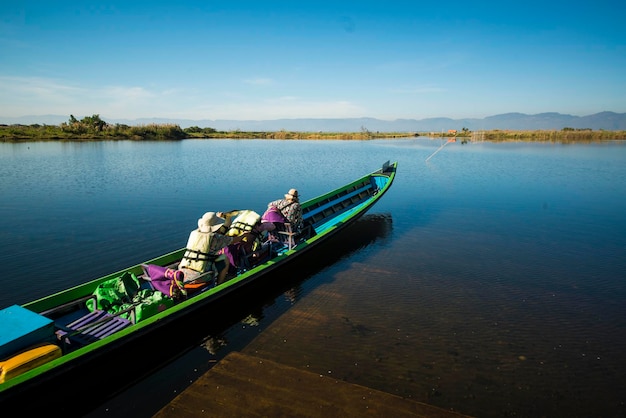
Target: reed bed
(93,129)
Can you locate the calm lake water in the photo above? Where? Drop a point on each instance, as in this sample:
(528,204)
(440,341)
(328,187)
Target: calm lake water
(490,280)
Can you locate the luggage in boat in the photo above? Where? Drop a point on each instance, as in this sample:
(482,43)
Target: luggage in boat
(28,360)
(22,328)
(114,292)
(148,303)
(124,295)
(166,280)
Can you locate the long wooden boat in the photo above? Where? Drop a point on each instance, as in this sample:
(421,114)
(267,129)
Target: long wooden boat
(42,340)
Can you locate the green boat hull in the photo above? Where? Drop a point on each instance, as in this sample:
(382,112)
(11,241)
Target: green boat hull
(328,214)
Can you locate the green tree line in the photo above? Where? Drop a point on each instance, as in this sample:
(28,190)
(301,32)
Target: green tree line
(92,128)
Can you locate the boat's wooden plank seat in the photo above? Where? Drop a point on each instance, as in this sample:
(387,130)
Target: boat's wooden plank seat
(93,326)
(317,214)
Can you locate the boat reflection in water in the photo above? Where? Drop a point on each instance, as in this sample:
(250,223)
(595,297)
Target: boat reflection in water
(287,286)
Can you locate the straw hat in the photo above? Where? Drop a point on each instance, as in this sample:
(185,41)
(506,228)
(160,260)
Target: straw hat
(210,222)
(292,195)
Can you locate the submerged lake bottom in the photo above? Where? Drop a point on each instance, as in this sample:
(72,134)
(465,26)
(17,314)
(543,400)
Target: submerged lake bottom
(488,280)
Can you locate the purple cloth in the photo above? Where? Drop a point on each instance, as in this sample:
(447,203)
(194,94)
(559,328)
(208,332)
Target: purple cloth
(272,214)
(233,254)
(163,279)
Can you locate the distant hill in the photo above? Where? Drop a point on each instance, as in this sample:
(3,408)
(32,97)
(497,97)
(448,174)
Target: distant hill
(609,121)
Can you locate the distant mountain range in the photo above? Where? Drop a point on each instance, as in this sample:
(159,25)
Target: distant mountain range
(609,121)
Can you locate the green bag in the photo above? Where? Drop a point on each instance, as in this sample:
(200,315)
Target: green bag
(123,293)
(147,303)
(113,293)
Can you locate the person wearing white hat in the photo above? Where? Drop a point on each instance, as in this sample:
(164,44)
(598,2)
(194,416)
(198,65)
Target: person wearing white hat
(204,244)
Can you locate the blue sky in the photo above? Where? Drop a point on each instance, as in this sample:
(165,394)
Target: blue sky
(311,59)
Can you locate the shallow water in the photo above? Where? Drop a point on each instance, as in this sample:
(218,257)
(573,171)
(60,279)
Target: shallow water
(489,280)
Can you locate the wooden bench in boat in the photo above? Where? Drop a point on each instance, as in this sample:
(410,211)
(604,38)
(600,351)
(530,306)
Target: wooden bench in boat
(88,327)
(317,213)
(94,326)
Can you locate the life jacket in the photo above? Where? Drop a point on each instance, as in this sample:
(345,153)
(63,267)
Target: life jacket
(197,255)
(244,222)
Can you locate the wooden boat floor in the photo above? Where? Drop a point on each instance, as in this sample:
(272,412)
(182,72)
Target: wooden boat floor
(247,386)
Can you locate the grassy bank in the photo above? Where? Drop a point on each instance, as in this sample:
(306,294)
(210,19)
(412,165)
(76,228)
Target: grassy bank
(64,132)
(304,135)
(93,128)
(565,135)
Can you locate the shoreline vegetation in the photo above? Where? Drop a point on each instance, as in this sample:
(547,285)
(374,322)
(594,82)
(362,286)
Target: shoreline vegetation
(93,128)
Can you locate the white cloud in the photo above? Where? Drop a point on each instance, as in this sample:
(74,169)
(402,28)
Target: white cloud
(259,81)
(418,90)
(32,95)
(19,88)
(21,96)
(123,94)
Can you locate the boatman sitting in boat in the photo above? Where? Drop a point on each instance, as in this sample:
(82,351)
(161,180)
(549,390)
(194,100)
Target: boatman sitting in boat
(203,246)
(286,210)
